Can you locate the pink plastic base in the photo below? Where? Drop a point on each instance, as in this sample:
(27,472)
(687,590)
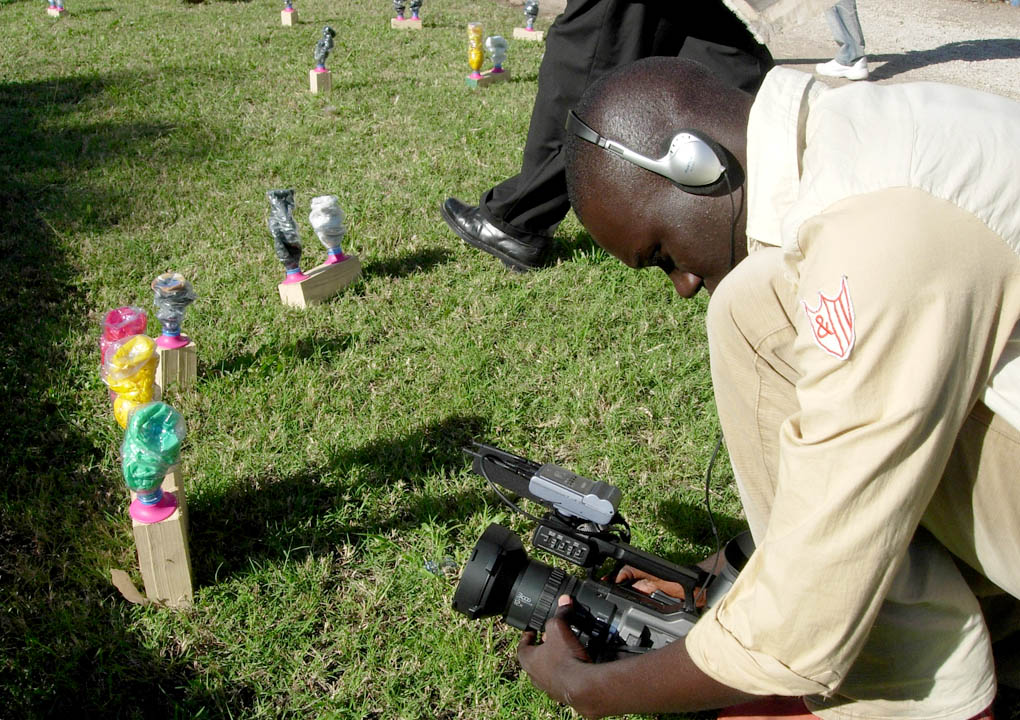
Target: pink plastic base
(320,70)
(288,10)
(497,71)
(171,342)
(293,278)
(334,259)
(400,18)
(475,75)
(149,514)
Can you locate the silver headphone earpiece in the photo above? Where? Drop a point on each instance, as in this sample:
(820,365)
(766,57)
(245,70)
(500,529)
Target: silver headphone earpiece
(692,162)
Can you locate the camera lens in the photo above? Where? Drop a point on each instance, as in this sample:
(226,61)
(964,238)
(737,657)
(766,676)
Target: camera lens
(499,579)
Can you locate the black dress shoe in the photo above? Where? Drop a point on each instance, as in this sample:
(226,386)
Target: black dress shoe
(517,254)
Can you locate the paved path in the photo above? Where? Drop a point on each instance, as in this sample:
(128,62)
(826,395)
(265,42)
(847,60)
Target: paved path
(966,42)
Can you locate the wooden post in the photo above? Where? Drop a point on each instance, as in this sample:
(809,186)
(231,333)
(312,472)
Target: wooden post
(405,24)
(288,18)
(532,35)
(488,78)
(163,555)
(321,283)
(177,365)
(320,80)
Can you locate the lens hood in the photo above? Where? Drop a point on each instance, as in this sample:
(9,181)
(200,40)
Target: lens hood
(488,577)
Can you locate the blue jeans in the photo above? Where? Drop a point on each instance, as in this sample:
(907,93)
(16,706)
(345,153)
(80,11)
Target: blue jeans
(846,31)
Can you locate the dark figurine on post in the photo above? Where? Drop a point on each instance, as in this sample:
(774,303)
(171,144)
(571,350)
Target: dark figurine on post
(285,233)
(172,296)
(530,12)
(399,5)
(324,47)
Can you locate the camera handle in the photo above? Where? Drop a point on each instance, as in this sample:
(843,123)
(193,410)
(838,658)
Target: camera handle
(688,577)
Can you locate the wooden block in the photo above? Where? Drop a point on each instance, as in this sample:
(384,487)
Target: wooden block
(163,555)
(53,12)
(288,18)
(320,81)
(488,78)
(405,24)
(322,282)
(177,366)
(525,34)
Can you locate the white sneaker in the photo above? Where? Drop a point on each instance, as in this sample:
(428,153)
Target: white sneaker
(857,71)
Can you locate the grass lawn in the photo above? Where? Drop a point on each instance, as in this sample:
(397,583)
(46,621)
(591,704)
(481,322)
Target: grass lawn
(323,460)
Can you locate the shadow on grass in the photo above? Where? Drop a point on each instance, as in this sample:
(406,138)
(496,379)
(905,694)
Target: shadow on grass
(692,521)
(66,645)
(898,63)
(580,246)
(93,10)
(410,263)
(265,517)
(530,77)
(272,357)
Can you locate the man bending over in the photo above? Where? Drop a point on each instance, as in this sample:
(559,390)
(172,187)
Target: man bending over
(861,247)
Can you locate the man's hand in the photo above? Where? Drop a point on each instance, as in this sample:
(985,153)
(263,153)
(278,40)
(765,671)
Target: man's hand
(663,680)
(648,584)
(558,660)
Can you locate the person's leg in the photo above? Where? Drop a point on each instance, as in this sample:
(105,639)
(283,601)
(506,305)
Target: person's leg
(588,40)
(846,31)
(515,219)
(750,336)
(850,61)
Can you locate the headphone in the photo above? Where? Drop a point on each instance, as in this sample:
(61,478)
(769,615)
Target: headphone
(694,163)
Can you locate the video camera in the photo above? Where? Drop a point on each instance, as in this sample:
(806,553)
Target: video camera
(582,526)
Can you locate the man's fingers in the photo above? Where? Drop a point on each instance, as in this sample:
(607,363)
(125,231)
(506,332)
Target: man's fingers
(528,638)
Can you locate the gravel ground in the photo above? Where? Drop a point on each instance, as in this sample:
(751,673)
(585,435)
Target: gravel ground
(965,42)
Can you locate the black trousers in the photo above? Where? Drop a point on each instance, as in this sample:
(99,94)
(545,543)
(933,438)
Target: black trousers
(590,38)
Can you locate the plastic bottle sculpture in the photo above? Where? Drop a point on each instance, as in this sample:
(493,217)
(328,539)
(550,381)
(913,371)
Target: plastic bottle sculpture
(285,233)
(152,445)
(323,48)
(475,55)
(495,46)
(173,294)
(399,5)
(327,220)
(530,13)
(130,371)
(120,323)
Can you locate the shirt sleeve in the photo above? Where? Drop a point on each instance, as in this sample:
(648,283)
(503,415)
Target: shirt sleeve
(931,295)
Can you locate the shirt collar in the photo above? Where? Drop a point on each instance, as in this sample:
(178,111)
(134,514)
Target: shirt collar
(775,146)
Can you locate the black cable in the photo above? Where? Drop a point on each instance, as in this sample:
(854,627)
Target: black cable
(719,437)
(497,461)
(711,517)
(733,222)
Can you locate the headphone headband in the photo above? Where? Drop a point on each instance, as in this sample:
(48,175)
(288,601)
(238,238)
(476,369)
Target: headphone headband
(694,162)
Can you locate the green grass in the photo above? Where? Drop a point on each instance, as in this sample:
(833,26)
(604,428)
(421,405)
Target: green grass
(323,461)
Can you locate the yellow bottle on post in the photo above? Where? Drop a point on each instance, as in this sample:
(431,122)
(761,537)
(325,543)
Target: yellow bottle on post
(475,54)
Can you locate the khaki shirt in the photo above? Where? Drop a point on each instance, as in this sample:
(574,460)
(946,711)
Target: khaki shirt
(843,600)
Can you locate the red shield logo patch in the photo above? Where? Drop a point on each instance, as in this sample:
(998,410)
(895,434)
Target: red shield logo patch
(832,322)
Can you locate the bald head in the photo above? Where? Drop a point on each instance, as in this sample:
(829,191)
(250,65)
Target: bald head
(643,105)
(641,217)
